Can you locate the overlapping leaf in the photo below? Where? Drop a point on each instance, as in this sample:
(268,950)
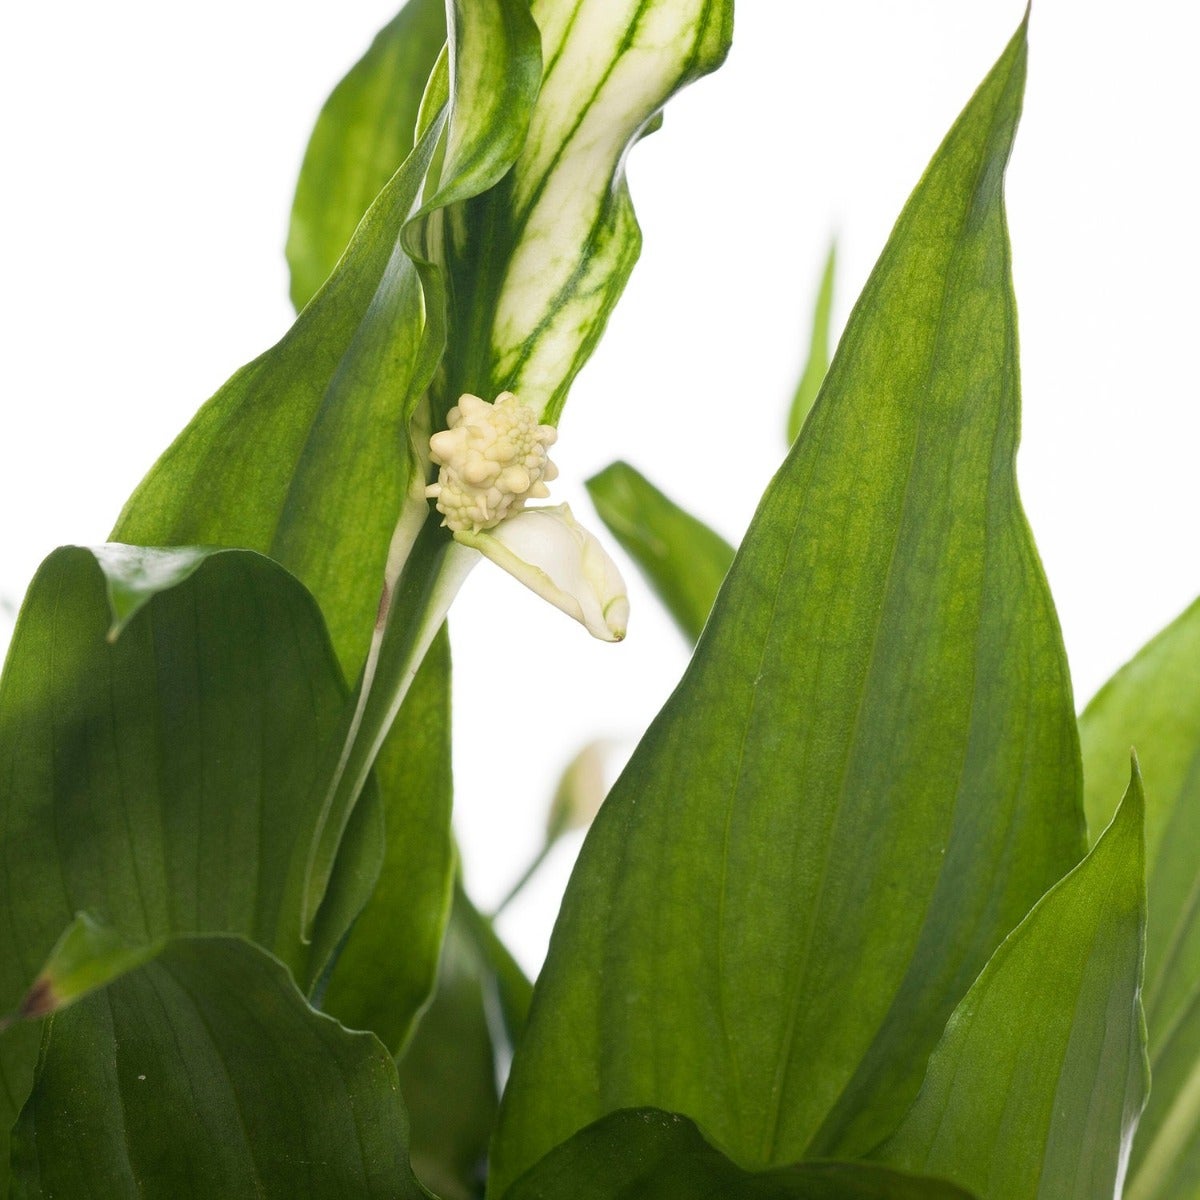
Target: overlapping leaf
(543,257)
(649,1153)
(870,771)
(1035,1089)
(304,453)
(452,1069)
(383,972)
(363,134)
(161,781)
(817,363)
(205,1073)
(682,558)
(1153,704)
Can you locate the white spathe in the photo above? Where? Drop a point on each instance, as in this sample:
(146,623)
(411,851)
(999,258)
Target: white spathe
(555,556)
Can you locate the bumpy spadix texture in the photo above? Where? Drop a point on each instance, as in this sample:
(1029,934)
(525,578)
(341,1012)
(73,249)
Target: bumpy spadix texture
(492,458)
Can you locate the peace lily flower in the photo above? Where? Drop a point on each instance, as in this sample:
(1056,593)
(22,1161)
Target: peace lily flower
(492,459)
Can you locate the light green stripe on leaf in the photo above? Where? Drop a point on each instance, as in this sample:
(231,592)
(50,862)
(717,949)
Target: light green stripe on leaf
(554,244)
(870,771)
(1036,1087)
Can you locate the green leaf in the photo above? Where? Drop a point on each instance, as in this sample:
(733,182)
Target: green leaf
(385,969)
(1036,1086)
(542,258)
(1153,703)
(134,575)
(818,351)
(162,782)
(204,1074)
(363,134)
(869,772)
(88,955)
(304,453)
(683,560)
(650,1153)
(460,1049)
(534,267)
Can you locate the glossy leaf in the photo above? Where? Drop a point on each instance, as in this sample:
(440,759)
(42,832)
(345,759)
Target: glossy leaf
(1036,1087)
(1153,704)
(869,772)
(386,967)
(650,1153)
(205,1073)
(817,363)
(364,132)
(683,560)
(162,781)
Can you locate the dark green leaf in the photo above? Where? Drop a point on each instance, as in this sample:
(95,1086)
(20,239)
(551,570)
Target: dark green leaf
(534,267)
(384,972)
(1153,703)
(683,560)
(1035,1089)
(205,1074)
(818,351)
(162,782)
(461,1047)
(364,132)
(304,453)
(870,771)
(655,1155)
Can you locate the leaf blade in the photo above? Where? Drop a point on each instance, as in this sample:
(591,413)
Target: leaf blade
(1051,1115)
(817,364)
(682,559)
(363,133)
(205,1073)
(386,968)
(1153,704)
(139,773)
(647,1152)
(868,740)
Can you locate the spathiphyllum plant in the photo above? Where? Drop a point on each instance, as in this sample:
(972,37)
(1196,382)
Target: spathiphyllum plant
(869,913)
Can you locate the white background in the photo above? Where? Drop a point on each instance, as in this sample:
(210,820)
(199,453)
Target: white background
(150,153)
